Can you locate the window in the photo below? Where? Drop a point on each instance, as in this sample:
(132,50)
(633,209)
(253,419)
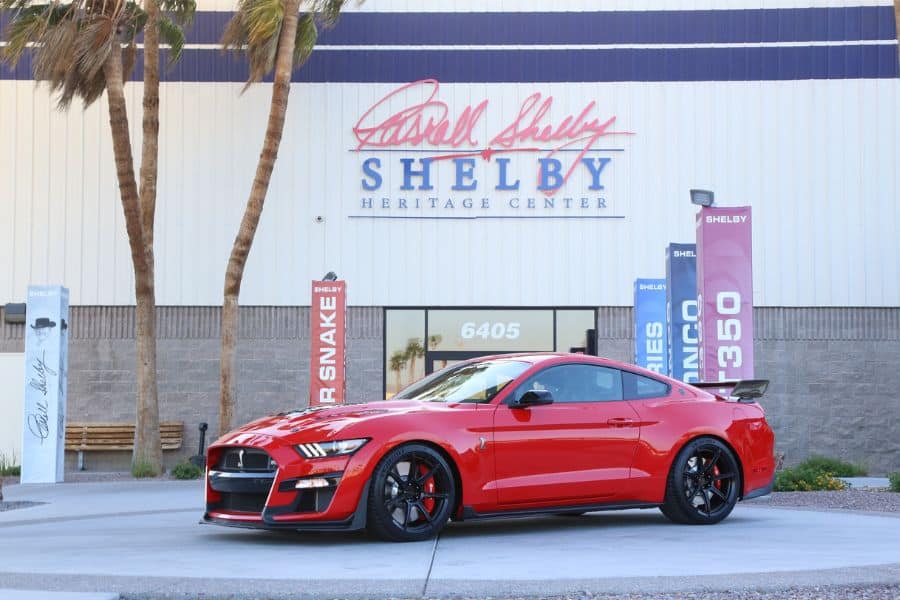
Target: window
(576,383)
(478,382)
(638,387)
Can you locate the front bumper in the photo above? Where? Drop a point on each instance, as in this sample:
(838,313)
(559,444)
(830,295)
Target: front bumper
(270,499)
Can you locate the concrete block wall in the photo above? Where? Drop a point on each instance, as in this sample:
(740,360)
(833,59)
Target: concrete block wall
(833,372)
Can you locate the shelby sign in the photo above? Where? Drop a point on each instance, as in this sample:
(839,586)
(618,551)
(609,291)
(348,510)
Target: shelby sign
(725,293)
(421,156)
(328,315)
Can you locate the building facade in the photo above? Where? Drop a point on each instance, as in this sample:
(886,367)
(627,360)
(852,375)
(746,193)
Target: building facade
(487,177)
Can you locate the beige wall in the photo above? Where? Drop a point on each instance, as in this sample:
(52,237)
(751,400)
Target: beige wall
(12,382)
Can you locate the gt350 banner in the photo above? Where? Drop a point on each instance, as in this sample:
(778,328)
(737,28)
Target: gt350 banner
(651,349)
(328,343)
(725,293)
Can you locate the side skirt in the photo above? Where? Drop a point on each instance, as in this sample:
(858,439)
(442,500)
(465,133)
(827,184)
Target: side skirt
(471,514)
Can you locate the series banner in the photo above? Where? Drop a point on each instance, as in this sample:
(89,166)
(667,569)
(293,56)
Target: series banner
(725,291)
(681,310)
(651,348)
(46,364)
(328,313)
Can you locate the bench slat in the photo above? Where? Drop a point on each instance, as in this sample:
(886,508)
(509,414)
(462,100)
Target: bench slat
(118,436)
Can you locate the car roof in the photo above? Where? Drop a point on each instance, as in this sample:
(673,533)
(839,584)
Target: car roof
(541,357)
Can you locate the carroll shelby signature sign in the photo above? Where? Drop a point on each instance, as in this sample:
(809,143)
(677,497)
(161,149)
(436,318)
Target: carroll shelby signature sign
(46,341)
(423,155)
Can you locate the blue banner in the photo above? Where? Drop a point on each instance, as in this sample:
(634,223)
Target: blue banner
(651,348)
(681,310)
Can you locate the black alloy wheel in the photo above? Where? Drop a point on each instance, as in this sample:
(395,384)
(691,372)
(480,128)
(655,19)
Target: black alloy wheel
(704,483)
(412,494)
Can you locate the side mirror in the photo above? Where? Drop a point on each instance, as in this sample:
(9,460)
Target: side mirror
(533,398)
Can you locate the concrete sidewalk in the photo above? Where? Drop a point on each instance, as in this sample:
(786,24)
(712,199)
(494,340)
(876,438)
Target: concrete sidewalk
(143,539)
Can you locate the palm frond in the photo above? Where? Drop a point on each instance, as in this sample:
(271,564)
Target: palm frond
(182,11)
(27,25)
(173,35)
(305,40)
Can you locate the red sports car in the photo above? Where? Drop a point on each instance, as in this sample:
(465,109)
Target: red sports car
(498,436)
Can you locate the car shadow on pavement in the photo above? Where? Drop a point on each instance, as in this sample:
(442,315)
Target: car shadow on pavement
(592,521)
(502,526)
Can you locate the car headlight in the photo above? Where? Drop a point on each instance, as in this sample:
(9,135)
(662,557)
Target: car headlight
(329,449)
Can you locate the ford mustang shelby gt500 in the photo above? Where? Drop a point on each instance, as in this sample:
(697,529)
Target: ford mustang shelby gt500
(498,436)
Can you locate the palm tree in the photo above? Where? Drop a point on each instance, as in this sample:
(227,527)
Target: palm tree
(398,361)
(413,351)
(82,49)
(273,35)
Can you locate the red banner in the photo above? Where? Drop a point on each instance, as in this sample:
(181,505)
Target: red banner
(328,314)
(725,293)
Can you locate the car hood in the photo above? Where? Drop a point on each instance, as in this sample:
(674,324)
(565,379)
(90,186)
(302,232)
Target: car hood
(323,423)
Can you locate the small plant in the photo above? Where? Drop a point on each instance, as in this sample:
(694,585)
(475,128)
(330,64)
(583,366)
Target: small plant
(141,469)
(836,467)
(186,470)
(8,466)
(894,478)
(807,480)
(817,473)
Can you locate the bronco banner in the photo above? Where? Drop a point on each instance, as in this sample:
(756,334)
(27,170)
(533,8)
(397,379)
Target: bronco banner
(650,342)
(328,313)
(725,293)
(681,310)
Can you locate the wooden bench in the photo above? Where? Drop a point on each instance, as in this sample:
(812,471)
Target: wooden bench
(92,437)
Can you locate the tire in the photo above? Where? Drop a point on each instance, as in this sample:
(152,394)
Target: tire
(703,485)
(410,509)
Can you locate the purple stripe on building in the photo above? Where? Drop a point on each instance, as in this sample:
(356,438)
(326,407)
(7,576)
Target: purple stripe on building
(608,27)
(536,66)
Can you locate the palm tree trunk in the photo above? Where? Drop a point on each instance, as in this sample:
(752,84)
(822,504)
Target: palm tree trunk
(234,273)
(147,443)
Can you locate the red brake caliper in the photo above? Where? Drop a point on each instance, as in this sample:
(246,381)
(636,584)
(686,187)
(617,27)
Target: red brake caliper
(428,488)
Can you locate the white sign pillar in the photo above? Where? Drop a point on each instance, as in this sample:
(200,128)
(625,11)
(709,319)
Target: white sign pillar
(46,363)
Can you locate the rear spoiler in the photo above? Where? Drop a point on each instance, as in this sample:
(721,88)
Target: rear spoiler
(745,390)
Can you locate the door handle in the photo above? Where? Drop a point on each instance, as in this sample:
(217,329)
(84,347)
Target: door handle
(621,422)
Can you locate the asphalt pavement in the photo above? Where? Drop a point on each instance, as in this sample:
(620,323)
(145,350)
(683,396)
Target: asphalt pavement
(143,539)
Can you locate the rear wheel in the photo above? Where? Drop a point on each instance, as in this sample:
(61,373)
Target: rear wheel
(703,485)
(412,494)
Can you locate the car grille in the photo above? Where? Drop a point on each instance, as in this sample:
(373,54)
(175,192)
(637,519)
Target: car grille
(243,478)
(246,460)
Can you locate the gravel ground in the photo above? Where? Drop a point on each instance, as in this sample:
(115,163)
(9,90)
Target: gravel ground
(867,592)
(857,500)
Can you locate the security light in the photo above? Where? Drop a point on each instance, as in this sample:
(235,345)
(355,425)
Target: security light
(330,276)
(14,313)
(702,197)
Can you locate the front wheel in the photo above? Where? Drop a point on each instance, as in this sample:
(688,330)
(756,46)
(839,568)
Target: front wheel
(412,494)
(703,485)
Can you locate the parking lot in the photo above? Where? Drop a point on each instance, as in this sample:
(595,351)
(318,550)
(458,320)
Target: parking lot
(143,538)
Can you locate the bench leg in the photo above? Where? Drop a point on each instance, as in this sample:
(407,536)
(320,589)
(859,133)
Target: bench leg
(80,460)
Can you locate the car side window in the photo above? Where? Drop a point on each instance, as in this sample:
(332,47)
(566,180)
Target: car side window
(576,383)
(638,387)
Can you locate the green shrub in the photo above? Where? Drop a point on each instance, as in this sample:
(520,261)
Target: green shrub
(141,469)
(801,479)
(817,473)
(836,467)
(186,470)
(8,466)
(894,478)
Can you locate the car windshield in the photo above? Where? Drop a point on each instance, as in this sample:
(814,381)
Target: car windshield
(468,382)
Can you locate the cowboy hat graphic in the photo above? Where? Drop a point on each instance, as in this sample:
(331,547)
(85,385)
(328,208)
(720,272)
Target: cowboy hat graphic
(43,323)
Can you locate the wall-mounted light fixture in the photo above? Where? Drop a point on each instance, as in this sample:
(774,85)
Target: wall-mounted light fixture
(702,197)
(14,312)
(330,276)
